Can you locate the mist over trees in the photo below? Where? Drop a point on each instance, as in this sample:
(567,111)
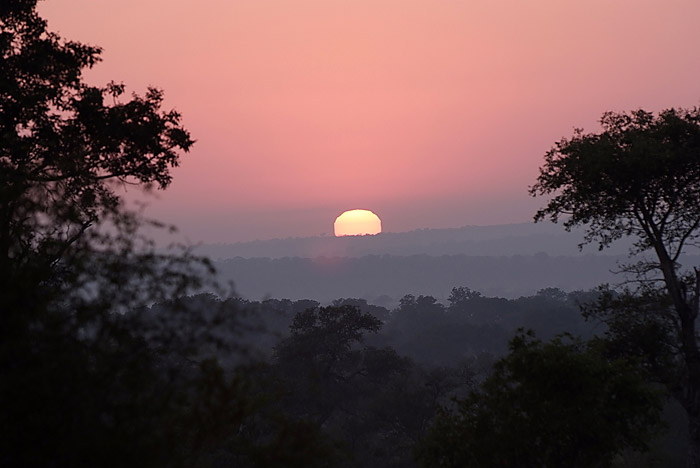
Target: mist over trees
(385,279)
(377,387)
(515,262)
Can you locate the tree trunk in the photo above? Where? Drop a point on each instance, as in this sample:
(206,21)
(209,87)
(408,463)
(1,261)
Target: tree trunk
(693,460)
(686,310)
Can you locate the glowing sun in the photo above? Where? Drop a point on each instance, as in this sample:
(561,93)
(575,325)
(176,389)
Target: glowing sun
(357,223)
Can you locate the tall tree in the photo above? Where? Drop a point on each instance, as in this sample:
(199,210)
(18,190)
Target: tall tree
(65,148)
(640,177)
(83,382)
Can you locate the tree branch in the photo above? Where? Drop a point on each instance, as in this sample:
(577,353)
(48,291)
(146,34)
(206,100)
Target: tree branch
(684,238)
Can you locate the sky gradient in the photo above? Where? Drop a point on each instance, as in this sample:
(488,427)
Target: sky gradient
(432,113)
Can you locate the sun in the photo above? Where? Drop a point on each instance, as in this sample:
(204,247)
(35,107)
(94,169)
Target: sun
(357,223)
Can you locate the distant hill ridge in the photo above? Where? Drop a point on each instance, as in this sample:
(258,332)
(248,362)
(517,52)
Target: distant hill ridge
(496,240)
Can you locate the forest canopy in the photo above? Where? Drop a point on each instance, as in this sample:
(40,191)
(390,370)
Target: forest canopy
(109,358)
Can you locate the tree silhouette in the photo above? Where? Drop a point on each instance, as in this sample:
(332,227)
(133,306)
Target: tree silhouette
(66,147)
(319,357)
(86,380)
(560,403)
(640,177)
(461,294)
(373,401)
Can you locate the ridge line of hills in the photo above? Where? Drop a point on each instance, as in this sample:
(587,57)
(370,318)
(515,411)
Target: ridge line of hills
(496,240)
(507,261)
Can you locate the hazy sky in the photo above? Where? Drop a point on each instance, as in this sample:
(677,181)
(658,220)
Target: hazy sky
(431,113)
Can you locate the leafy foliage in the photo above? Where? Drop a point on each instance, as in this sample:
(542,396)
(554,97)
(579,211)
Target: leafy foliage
(320,359)
(65,149)
(640,177)
(372,401)
(86,377)
(641,328)
(547,404)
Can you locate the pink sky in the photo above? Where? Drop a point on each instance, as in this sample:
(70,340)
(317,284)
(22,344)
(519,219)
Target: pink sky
(431,113)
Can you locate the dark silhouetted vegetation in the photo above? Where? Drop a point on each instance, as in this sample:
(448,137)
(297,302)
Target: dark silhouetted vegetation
(385,279)
(640,178)
(83,382)
(113,353)
(559,403)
